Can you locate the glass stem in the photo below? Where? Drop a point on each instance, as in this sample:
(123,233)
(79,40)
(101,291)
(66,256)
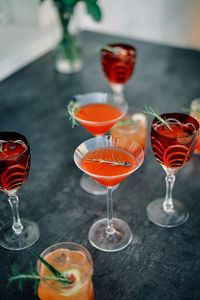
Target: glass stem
(168,202)
(14,203)
(110,229)
(118,91)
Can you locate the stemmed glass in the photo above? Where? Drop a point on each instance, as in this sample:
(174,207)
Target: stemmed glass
(172,148)
(14,168)
(118,62)
(109,160)
(97,112)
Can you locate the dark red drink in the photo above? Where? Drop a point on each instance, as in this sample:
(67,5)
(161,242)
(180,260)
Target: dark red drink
(14,161)
(118,66)
(173,147)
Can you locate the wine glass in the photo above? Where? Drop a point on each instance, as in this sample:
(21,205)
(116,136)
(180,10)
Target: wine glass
(14,168)
(109,160)
(172,148)
(118,62)
(97,112)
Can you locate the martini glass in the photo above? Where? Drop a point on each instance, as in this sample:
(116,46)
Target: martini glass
(97,112)
(172,148)
(109,160)
(118,62)
(14,168)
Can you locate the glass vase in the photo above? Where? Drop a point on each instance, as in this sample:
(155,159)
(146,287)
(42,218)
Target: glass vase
(67,55)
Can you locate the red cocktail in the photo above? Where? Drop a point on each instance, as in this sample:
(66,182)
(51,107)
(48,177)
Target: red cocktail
(97,112)
(173,146)
(118,63)
(14,168)
(98,118)
(122,163)
(12,174)
(109,160)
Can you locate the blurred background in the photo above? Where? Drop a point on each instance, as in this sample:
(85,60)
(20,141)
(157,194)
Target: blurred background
(29,28)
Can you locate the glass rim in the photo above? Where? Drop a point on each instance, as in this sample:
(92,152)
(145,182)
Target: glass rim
(85,251)
(114,176)
(100,123)
(26,142)
(171,137)
(118,44)
(123,112)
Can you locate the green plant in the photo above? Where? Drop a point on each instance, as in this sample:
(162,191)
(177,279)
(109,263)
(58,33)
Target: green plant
(67,55)
(92,7)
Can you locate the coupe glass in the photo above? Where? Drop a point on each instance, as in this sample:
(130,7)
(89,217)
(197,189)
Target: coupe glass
(14,168)
(98,125)
(172,148)
(118,62)
(109,160)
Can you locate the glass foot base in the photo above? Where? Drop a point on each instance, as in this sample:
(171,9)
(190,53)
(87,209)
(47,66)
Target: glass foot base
(119,239)
(91,186)
(158,216)
(12,241)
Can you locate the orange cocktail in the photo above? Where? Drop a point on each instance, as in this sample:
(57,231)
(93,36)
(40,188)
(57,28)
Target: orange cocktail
(109,160)
(97,112)
(98,118)
(96,164)
(134,126)
(195,113)
(71,260)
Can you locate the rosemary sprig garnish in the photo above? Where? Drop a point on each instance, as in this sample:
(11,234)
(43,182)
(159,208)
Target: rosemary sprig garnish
(112,161)
(150,111)
(72,107)
(50,267)
(57,276)
(1,148)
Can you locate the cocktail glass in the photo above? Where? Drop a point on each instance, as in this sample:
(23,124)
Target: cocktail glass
(97,112)
(195,113)
(172,148)
(74,259)
(109,160)
(118,63)
(14,168)
(133,125)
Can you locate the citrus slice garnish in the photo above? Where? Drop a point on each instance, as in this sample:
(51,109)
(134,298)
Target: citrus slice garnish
(75,277)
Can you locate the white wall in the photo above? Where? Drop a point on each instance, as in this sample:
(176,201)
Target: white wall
(28,30)
(163,21)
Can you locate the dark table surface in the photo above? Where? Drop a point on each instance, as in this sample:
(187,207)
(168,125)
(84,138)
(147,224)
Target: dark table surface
(159,263)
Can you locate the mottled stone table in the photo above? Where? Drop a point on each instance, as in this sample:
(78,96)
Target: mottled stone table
(159,263)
